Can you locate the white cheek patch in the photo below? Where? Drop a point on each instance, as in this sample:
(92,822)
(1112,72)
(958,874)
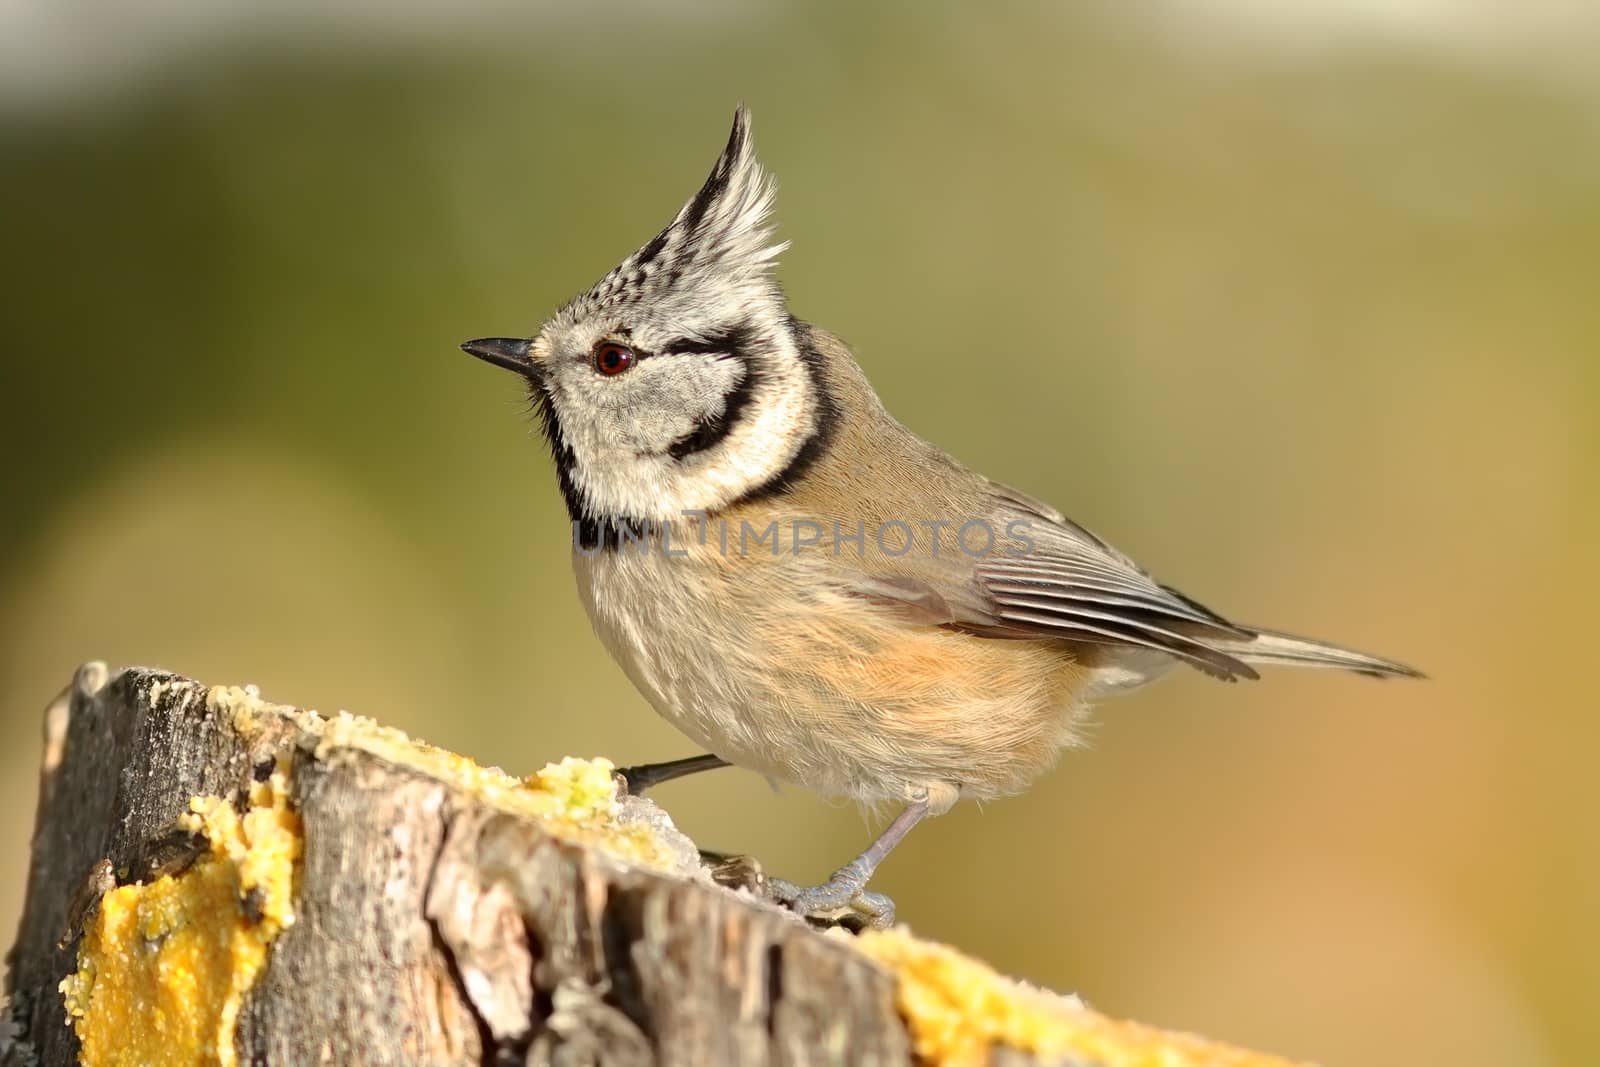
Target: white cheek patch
(621,440)
(672,395)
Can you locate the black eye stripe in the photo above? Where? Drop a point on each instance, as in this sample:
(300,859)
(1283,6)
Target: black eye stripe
(694,348)
(729,342)
(712,430)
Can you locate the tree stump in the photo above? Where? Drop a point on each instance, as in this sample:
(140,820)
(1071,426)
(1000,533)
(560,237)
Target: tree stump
(217,879)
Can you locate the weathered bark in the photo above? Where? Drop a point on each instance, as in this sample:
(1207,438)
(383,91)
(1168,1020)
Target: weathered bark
(431,925)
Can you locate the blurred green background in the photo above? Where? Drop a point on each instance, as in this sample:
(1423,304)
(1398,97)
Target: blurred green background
(1296,304)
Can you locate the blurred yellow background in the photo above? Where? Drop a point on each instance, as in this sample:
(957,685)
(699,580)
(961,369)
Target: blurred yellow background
(1294,303)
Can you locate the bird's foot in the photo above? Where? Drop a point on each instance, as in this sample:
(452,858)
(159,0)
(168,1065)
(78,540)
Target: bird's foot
(633,781)
(736,872)
(842,900)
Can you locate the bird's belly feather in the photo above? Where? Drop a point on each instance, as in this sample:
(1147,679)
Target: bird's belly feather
(796,681)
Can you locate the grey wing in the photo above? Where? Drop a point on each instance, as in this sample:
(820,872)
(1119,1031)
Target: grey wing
(1066,582)
(1061,582)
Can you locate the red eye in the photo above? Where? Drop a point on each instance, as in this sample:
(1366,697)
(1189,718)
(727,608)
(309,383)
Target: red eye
(611,358)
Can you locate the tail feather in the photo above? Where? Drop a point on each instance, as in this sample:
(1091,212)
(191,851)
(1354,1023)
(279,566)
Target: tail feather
(1271,647)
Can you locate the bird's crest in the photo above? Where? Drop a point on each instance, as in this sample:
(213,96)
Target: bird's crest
(720,242)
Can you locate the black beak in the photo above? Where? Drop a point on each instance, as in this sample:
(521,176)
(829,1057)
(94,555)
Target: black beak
(508,352)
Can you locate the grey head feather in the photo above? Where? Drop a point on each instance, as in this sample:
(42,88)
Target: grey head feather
(719,246)
(718,400)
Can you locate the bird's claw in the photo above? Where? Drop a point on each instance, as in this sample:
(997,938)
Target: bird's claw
(630,783)
(842,900)
(735,872)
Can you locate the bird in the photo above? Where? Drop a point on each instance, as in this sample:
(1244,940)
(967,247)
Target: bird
(804,586)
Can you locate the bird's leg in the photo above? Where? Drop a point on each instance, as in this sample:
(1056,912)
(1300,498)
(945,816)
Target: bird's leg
(846,889)
(635,780)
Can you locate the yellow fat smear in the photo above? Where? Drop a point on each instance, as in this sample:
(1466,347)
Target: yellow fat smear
(958,1010)
(575,799)
(163,968)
